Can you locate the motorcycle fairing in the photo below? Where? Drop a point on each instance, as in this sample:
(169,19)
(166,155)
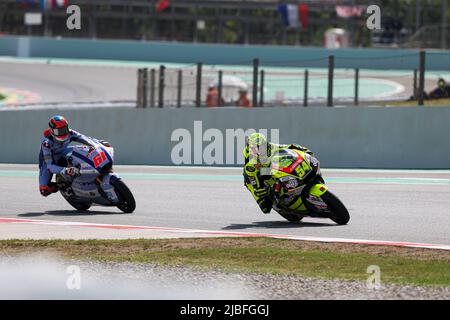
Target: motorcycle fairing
(93,185)
(292,163)
(290,170)
(318,190)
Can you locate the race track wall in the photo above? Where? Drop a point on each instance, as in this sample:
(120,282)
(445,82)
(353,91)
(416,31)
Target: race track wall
(311,57)
(410,137)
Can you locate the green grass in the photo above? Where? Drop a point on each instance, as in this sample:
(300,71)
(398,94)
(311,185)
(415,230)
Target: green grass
(310,264)
(258,255)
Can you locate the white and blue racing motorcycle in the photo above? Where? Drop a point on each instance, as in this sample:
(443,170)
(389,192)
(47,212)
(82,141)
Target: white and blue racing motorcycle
(94,183)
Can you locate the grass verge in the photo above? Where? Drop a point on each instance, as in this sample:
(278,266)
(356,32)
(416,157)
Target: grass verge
(257,255)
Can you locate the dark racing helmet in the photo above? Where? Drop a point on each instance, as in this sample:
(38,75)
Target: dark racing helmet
(59,128)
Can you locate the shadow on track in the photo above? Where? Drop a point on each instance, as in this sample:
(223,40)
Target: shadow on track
(278,224)
(66,213)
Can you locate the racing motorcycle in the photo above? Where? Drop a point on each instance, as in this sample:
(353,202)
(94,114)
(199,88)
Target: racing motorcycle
(94,183)
(297,189)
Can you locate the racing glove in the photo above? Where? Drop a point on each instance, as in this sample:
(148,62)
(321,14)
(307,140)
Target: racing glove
(105,143)
(71,171)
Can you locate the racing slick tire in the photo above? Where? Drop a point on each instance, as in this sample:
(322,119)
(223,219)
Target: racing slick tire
(291,217)
(79,206)
(339,212)
(127,202)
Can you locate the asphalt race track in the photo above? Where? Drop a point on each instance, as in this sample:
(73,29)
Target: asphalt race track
(67,83)
(386,205)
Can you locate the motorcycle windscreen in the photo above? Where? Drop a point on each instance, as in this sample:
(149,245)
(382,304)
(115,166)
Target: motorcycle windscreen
(286,161)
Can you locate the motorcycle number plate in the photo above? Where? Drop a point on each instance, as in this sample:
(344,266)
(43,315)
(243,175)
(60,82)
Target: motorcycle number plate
(99,159)
(303,169)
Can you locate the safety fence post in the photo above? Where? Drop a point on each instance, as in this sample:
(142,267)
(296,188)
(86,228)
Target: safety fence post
(219,89)
(305,92)
(144,88)
(415,85)
(255,82)
(198,94)
(152,87)
(179,88)
(261,89)
(139,94)
(330,80)
(356,101)
(161,86)
(421,77)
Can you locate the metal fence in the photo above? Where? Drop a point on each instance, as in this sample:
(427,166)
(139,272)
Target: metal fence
(289,84)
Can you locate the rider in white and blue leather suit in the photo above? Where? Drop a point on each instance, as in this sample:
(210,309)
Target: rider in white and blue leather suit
(53,146)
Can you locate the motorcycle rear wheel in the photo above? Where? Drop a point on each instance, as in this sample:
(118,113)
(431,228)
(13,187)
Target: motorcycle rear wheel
(291,217)
(79,206)
(127,202)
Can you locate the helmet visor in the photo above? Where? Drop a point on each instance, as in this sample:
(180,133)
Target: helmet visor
(60,132)
(254,151)
(260,150)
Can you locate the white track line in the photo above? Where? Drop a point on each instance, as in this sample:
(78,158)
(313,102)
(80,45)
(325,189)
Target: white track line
(226,233)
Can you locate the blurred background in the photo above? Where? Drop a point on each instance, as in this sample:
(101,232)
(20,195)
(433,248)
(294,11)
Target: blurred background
(361,97)
(405,23)
(173,53)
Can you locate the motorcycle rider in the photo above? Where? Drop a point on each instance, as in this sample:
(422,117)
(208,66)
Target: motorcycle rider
(57,138)
(257,156)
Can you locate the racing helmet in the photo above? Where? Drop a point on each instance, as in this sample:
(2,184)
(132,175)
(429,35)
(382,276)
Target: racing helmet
(258,146)
(59,128)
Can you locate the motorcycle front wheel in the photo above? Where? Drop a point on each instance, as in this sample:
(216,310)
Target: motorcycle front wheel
(339,212)
(127,202)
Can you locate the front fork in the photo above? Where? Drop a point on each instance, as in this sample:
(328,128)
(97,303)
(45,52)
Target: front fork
(106,189)
(315,189)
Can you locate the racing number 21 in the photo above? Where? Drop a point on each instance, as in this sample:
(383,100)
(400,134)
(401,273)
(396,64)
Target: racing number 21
(99,159)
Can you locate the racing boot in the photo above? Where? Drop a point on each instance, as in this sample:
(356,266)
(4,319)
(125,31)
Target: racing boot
(49,189)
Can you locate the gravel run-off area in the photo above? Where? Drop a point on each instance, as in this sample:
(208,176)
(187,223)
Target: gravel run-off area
(45,277)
